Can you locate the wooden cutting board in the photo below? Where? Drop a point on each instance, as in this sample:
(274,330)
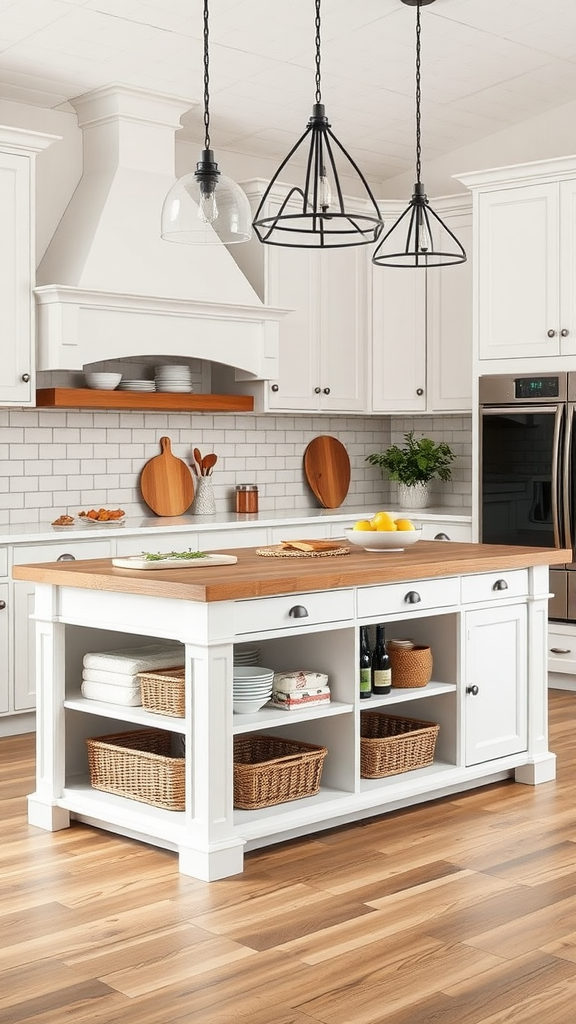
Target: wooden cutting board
(327,469)
(166,483)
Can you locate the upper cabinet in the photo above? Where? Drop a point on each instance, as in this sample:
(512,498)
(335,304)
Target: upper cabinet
(18,149)
(525,261)
(422,326)
(322,356)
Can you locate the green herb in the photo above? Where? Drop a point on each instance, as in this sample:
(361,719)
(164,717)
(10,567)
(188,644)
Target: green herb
(185,555)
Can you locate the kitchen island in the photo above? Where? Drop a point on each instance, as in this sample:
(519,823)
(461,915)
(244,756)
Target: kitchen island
(481,608)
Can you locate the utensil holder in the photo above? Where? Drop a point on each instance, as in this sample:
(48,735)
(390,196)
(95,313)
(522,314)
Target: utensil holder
(204,504)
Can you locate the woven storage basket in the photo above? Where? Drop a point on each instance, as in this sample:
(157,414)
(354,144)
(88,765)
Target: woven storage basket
(138,765)
(410,667)
(390,745)
(270,770)
(163,691)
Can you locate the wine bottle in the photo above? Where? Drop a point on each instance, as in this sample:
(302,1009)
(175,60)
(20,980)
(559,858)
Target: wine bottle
(365,664)
(381,664)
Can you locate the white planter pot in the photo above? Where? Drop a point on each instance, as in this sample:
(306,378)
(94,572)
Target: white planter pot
(414,495)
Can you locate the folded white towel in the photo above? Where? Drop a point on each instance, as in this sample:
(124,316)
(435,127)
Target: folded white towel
(128,696)
(132,660)
(303,679)
(98,675)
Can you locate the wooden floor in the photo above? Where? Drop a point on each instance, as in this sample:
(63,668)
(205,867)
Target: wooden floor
(462,911)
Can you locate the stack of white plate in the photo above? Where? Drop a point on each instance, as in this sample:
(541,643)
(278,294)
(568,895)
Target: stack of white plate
(137,385)
(401,645)
(252,688)
(173,378)
(246,655)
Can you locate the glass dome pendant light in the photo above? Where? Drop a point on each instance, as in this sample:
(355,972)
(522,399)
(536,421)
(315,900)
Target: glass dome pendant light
(419,238)
(315,214)
(205,207)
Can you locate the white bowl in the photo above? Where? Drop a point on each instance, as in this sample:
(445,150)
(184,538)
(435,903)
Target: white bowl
(383,540)
(253,673)
(249,707)
(103,381)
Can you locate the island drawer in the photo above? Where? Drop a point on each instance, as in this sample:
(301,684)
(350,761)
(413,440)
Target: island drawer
(416,595)
(494,586)
(292,611)
(30,553)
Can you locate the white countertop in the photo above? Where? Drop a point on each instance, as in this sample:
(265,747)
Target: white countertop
(35,532)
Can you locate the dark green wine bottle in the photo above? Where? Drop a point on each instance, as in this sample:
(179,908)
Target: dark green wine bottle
(365,664)
(381,664)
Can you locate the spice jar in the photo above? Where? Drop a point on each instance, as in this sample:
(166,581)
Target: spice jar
(246,498)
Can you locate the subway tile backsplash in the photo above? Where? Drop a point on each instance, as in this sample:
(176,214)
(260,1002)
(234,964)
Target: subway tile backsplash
(54,461)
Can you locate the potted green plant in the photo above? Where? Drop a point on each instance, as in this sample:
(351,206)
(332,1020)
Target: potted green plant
(414,466)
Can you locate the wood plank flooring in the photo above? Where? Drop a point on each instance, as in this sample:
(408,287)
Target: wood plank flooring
(461,911)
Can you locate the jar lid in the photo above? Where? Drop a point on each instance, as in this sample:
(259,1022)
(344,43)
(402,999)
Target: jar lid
(246,487)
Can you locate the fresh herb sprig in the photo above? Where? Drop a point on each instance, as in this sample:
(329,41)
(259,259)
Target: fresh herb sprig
(184,555)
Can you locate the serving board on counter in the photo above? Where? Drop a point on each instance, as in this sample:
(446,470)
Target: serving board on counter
(166,483)
(327,470)
(204,562)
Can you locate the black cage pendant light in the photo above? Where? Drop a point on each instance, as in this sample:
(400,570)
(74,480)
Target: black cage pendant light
(314,214)
(205,207)
(419,238)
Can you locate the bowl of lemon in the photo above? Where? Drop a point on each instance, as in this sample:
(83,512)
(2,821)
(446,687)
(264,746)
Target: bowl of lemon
(383,532)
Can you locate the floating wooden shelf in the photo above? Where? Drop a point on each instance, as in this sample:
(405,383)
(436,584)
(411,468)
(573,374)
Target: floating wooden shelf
(163,401)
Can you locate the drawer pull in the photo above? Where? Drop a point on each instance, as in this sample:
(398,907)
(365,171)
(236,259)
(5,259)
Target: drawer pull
(560,650)
(298,611)
(412,597)
(2,605)
(472,690)
(66,557)
(500,585)
(441,536)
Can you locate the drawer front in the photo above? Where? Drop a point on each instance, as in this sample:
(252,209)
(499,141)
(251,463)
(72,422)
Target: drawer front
(447,531)
(31,553)
(494,586)
(3,562)
(223,540)
(158,543)
(561,653)
(264,614)
(298,531)
(406,597)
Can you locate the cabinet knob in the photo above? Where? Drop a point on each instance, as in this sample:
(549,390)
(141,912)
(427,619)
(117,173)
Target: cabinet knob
(25,377)
(419,392)
(317,391)
(298,611)
(441,536)
(412,597)
(500,585)
(326,391)
(560,650)
(275,387)
(473,690)
(2,605)
(66,557)
(564,332)
(551,333)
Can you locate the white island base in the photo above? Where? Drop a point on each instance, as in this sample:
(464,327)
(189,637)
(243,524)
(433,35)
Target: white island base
(488,693)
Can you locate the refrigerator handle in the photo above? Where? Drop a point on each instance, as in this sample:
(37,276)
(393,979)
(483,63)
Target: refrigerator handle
(568,539)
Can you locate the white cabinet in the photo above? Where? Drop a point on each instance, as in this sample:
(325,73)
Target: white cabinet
(322,357)
(422,329)
(525,260)
(4,650)
(18,149)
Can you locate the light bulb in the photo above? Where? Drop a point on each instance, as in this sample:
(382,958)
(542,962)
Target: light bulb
(422,234)
(207,208)
(324,192)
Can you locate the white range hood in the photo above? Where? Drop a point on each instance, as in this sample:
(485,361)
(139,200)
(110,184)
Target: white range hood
(110,287)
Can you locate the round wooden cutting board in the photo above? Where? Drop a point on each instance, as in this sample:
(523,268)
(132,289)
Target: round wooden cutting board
(166,483)
(327,469)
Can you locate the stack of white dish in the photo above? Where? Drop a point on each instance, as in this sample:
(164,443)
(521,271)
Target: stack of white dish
(401,645)
(252,688)
(173,378)
(137,385)
(246,655)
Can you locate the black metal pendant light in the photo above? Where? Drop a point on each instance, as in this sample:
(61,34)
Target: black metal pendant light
(314,215)
(419,238)
(205,207)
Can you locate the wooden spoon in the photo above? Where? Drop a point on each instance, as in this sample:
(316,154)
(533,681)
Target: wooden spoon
(208,462)
(198,459)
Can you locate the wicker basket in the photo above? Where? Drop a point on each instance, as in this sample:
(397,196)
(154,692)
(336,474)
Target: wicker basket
(270,770)
(138,765)
(163,691)
(411,667)
(390,745)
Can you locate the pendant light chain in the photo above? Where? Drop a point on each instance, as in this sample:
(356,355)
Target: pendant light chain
(418,97)
(206,79)
(317,42)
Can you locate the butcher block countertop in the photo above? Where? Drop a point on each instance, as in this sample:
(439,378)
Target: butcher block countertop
(257,576)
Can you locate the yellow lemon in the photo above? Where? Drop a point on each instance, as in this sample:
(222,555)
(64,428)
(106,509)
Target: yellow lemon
(404,524)
(363,524)
(383,521)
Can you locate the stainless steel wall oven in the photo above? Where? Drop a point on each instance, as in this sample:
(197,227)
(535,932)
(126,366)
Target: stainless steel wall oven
(527,470)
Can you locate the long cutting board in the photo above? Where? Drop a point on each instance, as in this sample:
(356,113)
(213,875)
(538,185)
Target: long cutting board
(166,483)
(327,469)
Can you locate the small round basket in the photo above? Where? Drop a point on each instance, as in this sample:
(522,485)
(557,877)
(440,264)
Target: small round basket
(411,667)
